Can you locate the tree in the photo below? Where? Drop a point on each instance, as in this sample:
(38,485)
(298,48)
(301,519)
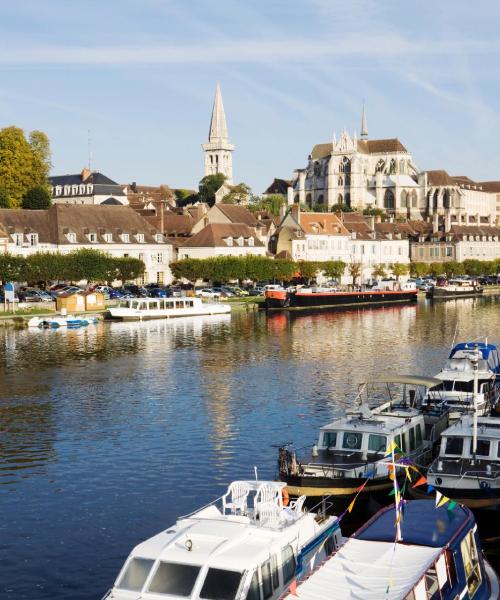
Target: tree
(354,269)
(473,267)
(23,165)
(319,208)
(208,186)
(379,271)
(38,198)
(341,207)
(453,268)
(271,203)
(436,269)
(126,268)
(4,198)
(238,194)
(419,269)
(399,270)
(372,211)
(333,268)
(11,267)
(308,269)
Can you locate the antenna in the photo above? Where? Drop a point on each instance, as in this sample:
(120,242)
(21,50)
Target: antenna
(89,149)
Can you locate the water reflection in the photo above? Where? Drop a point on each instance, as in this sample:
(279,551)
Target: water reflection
(110,432)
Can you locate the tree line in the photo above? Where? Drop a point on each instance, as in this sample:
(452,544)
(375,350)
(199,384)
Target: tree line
(470,266)
(84,264)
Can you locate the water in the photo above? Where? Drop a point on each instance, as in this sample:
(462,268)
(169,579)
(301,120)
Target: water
(107,434)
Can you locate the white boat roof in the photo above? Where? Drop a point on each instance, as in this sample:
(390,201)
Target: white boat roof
(487,427)
(363,570)
(381,424)
(406,380)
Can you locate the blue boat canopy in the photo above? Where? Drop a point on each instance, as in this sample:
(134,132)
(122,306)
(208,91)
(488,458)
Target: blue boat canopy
(422,524)
(485,349)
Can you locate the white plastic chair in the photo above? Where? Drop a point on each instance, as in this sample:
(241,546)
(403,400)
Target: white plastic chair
(238,493)
(269,514)
(297,505)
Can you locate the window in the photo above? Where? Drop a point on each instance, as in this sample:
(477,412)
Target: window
(159,258)
(418,435)
(18,239)
(90,188)
(352,440)
(377,443)
(412,439)
(267,584)
(448,251)
(454,445)
(108,237)
(58,190)
(92,237)
(329,439)
(250,241)
(135,574)
(240,241)
(432,584)
(174,579)
(140,238)
(483,448)
(71,237)
(471,563)
(159,277)
(288,564)
(125,238)
(253,590)
(420,251)
(33,239)
(275,572)
(220,585)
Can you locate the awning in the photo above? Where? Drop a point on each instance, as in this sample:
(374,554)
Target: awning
(407,379)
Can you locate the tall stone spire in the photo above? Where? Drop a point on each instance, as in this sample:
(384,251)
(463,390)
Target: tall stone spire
(364,124)
(218,150)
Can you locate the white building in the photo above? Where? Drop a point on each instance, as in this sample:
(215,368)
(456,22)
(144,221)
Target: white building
(222,239)
(87,187)
(218,150)
(116,230)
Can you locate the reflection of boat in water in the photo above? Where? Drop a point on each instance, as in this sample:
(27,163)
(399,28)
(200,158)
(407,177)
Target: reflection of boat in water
(140,309)
(435,554)
(352,450)
(194,324)
(242,545)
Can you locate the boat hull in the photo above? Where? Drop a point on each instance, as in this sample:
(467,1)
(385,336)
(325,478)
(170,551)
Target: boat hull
(294,300)
(341,489)
(438,293)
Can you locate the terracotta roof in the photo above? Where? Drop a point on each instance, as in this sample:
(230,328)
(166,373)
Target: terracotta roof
(238,214)
(490,186)
(321,224)
(214,234)
(460,230)
(175,224)
(54,224)
(381,146)
(278,186)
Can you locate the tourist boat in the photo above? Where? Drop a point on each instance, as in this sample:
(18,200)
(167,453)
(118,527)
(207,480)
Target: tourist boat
(240,545)
(454,288)
(165,308)
(61,321)
(436,554)
(468,466)
(317,297)
(352,449)
(457,376)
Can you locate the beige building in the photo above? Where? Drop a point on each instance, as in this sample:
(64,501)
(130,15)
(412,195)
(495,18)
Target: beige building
(222,239)
(218,150)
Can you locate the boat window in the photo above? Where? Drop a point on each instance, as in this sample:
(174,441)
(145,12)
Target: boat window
(253,590)
(412,438)
(352,440)
(220,585)
(483,448)
(135,574)
(329,439)
(288,564)
(454,445)
(418,433)
(404,446)
(377,443)
(471,563)
(267,584)
(432,584)
(275,572)
(397,439)
(175,579)
(464,386)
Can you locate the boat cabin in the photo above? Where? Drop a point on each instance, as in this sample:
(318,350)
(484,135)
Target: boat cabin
(145,304)
(246,545)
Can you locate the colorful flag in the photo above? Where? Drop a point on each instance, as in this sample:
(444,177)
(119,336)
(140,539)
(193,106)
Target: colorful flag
(350,507)
(420,481)
(441,500)
(293,588)
(451,505)
(392,448)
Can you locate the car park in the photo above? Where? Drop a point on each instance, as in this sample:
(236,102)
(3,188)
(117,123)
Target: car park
(207,293)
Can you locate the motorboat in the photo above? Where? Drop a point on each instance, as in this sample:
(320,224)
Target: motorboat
(352,450)
(468,466)
(457,377)
(139,309)
(454,288)
(434,553)
(246,545)
(59,321)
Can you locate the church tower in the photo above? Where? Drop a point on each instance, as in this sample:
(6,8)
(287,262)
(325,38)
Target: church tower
(218,150)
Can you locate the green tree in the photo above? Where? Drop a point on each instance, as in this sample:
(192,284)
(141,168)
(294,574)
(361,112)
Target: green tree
(38,198)
(399,270)
(374,212)
(208,186)
(354,269)
(11,267)
(436,269)
(322,208)
(238,194)
(40,147)
(473,267)
(453,268)
(4,198)
(333,268)
(379,271)
(419,269)
(341,207)
(125,268)
(271,203)
(308,269)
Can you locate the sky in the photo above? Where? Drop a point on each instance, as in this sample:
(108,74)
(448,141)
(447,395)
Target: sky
(140,75)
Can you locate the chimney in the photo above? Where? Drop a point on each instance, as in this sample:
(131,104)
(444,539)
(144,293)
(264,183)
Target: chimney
(295,210)
(133,187)
(86,173)
(371,222)
(353,235)
(162,220)
(282,210)
(435,223)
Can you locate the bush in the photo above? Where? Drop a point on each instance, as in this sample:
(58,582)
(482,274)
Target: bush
(38,198)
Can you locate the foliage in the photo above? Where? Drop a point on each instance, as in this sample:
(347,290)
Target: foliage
(371,211)
(238,194)
(341,207)
(436,269)
(127,268)
(379,271)
(4,198)
(11,267)
(185,197)
(333,268)
(38,198)
(271,203)
(319,208)
(208,187)
(453,268)
(399,270)
(354,269)
(419,269)
(23,164)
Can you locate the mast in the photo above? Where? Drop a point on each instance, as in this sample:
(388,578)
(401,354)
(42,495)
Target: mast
(475,361)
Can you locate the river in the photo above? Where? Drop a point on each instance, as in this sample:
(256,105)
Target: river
(108,433)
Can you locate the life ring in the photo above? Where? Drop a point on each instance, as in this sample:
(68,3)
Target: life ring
(285,497)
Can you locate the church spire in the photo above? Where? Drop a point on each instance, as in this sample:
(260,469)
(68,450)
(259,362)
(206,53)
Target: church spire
(364,124)
(218,126)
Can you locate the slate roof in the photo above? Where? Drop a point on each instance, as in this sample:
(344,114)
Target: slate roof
(54,224)
(75,179)
(212,236)
(279,186)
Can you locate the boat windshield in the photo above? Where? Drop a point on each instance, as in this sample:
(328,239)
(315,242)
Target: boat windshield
(220,584)
(135,574)
(354,441)
(176,579)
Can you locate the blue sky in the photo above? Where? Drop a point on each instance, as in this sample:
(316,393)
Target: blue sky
(141,74)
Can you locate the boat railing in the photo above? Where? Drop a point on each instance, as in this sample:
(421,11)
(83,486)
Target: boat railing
(199,509)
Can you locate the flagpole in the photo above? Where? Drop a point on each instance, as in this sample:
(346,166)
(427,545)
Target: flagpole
(396,495)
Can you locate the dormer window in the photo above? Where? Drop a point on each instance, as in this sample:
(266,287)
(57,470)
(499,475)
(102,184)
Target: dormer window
(18,239)
(125,238)
(58,190)
(82,189)
(90,188)
(229,241)
(71,237)
(250,241)
(240,241)
(108,237)
(33,239)
(67,190)
(159,238)
(92,237)
(74,190)
(140,238)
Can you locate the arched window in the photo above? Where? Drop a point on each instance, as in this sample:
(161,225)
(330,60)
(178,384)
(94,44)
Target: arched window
(340,199)
(348,180)
(402,166)
(446,199)
(346,165)
(380,166)
(296,199)
(309,199)
(320,199)
(348,199)
(404,199)
(435,200)
(389,199)
(392,167)
(340,181)
(414,199)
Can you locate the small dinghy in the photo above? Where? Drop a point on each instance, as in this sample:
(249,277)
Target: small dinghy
(56,322)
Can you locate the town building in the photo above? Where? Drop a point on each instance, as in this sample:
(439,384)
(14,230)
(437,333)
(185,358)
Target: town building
(218,150)
(116,230)
(222,239)
(87,187)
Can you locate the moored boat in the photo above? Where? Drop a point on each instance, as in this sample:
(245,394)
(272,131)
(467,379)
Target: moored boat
(435,554)
(58,321)
(246,545)
(454,288)
(317,297)
(139,309)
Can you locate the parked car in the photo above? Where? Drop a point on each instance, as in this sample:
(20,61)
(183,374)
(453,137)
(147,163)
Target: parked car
(257,291)
(68,289)
(157,292)
(207,293)
(137,291)
(237,290)
(223,291)
(34,295)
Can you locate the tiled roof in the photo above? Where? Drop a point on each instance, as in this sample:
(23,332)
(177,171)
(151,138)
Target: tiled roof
(381,146)
(214,235)
(238,214)
(321,223)
(490,186)
(175,224)
(278,186)
(321,150)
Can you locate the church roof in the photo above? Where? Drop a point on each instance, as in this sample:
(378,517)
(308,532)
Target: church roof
(218,127)
(381,146)
(214,235)
(321,150)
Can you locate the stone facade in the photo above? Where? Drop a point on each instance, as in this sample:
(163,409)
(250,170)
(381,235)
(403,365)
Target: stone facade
(218,150)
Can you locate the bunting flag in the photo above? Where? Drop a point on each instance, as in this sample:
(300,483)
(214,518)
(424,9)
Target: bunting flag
(392,448)
(421,481)
(392,492)
(430,489)
(351,505)
(451,505)
(293,588)
(361,486)
(441,500)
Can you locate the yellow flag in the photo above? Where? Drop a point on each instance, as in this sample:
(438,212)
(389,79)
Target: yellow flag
(441,500)
(349,508)
(391,449)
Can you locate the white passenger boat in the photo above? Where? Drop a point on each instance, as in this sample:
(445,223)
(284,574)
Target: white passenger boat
(139,309)
(246,545)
